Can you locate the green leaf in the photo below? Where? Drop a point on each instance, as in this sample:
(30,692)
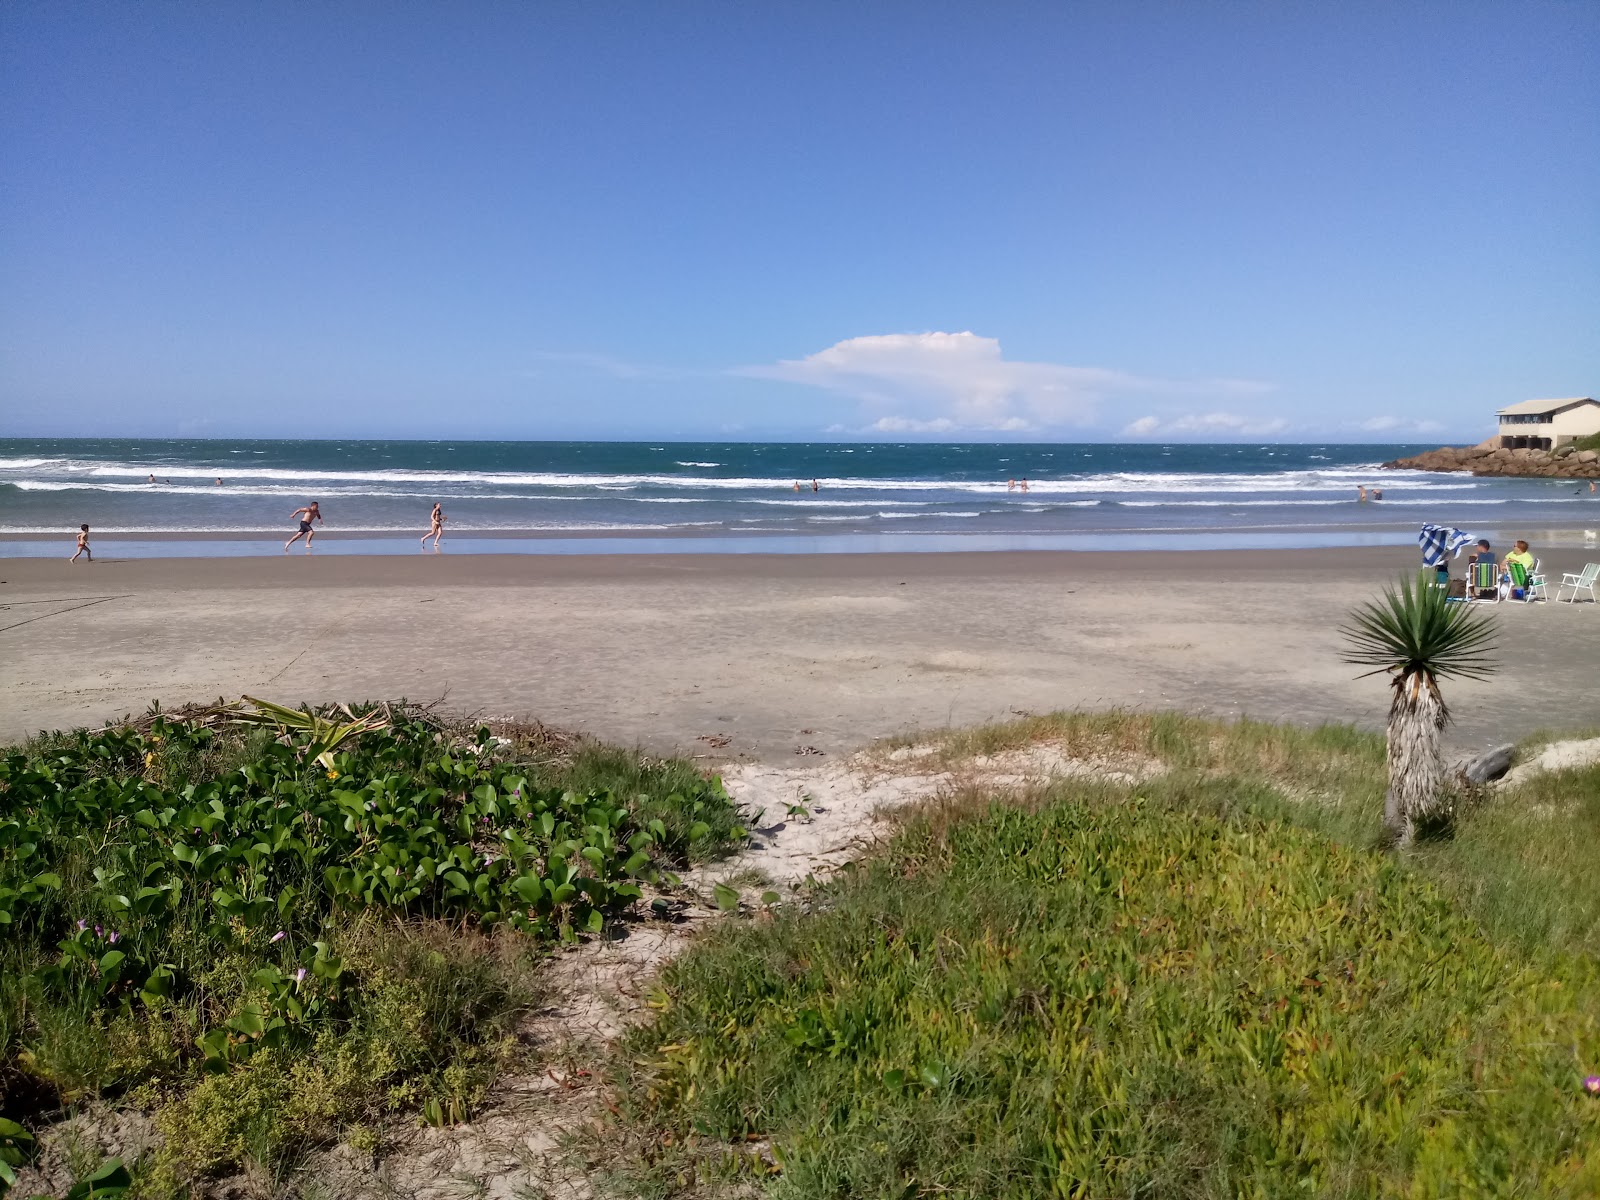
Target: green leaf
(109,1180)
(1416,629)
(727,898)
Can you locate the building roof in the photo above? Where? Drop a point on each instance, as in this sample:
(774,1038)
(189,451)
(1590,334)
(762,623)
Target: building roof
(1529,407)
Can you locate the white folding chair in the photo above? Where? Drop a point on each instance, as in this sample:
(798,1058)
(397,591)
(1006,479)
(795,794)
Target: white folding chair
(1538,585)
(1583,581)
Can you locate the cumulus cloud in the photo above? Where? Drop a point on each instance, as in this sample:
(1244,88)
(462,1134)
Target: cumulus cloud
(950,382)
(1211,424)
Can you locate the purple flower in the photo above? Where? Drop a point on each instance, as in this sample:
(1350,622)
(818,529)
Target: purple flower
(98,932)
(487,859)
(300,975)
(1591,1084)
(112,937)
(277,937)
(82,924)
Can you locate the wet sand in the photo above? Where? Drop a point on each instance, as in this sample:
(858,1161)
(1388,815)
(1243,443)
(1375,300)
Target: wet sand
(777,653)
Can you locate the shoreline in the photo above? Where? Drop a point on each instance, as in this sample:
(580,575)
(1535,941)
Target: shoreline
(184,545)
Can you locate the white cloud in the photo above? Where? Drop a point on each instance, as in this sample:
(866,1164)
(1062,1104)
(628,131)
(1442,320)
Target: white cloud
(1206,424)
(951,382)
(1398,425)
(911,425)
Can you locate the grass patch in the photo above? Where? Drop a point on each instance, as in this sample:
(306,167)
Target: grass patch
(1208,984)
(200,921)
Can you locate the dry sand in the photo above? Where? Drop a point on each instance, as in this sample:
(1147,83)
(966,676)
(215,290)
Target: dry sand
(782,655)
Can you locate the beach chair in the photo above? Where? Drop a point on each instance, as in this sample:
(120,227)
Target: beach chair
(1516,578)
(1583,581)
(1538,585)
(1483,582)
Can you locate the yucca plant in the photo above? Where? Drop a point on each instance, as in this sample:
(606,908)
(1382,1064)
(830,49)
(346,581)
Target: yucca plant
(324,737)
(1418,636)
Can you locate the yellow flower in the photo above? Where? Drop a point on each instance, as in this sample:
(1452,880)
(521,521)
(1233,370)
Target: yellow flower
(149,757)
(333,774)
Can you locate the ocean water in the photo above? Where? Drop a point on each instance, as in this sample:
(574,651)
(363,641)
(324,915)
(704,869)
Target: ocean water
(519,494)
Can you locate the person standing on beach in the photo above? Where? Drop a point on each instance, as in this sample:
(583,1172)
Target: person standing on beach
(435,525)
(307,515)
(83,545)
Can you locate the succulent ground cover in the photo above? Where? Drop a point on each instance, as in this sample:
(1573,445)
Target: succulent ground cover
(272,935)
(1211,983)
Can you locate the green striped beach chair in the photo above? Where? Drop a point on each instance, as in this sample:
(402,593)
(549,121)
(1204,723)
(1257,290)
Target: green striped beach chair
(1483,582)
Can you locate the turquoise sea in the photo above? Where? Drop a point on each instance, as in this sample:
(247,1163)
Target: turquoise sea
(555,496)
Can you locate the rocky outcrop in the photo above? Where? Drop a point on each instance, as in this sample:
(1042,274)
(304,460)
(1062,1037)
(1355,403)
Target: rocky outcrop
(1487,459)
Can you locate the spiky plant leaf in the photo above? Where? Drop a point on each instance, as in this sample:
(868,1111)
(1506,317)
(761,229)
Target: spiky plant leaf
(325,737)
(1415,629)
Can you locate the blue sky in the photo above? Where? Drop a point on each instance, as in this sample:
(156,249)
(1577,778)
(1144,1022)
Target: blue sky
(1365,221)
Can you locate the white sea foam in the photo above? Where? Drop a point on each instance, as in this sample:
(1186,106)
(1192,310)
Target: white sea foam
(1323,479)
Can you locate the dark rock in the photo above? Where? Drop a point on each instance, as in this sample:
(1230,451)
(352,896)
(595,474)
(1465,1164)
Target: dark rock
(1488,766)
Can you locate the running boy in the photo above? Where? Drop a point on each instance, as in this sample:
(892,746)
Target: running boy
(83,545)
(307,515)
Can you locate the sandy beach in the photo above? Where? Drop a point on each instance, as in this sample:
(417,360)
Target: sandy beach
(780,655)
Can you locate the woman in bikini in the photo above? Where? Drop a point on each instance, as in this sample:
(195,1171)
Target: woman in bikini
(436,526)
(307,515)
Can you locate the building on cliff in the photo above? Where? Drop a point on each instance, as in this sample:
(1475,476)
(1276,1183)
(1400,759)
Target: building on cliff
(1548,424)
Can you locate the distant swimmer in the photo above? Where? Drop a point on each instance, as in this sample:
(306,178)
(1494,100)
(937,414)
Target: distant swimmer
(1361,493)
(219,480)
(1377,493)
(1011,485)
(83,545)
(1023,485)
(797,485)
(306,515)
(435,526)
(815,486)
(152,479)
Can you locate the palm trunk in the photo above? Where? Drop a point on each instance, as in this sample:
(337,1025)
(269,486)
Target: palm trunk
(1417,715)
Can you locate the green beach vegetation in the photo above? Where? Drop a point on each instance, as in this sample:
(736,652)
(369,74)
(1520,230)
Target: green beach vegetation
(1216,982)
(1210,976)
(274,928)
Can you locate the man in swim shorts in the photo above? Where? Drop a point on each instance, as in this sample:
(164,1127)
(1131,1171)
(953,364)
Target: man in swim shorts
(307,515)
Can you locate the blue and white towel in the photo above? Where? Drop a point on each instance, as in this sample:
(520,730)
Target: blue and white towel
(1439,543)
